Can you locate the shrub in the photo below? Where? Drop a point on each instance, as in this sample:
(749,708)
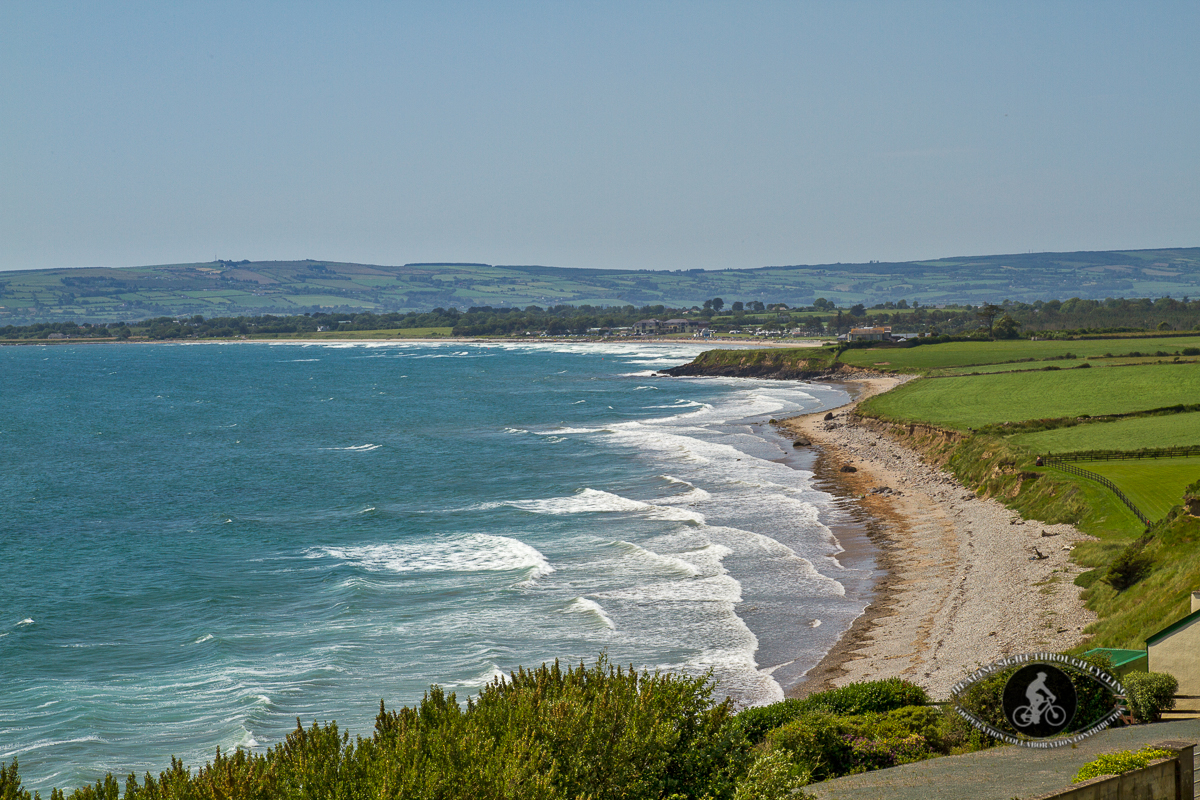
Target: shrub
(1150,694)
(1129,567)
(756,722)
(1120,762)
(1190,351)
(773,777)
(817,743)
(869,696)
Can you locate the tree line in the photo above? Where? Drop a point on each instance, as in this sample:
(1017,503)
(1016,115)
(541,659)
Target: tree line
(823,317)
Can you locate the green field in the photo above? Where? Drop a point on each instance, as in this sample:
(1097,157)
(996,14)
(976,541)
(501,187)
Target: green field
(951,355)
(1153,484)
(1164,430)
(973,401)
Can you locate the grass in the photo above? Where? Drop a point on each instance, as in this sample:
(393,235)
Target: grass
(1128,617)
(1166,430)
(926,358)
(973,401)
(1154,485)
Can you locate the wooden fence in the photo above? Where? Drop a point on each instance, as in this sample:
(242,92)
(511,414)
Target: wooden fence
(1074,470)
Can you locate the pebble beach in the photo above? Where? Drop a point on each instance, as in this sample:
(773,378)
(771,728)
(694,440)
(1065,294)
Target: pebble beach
(965,580)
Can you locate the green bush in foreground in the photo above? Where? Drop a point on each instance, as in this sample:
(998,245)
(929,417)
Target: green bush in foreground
(542,734)
(1150,694)
(855,698)
(1120,762)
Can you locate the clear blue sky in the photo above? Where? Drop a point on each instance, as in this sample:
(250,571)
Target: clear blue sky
(606,134)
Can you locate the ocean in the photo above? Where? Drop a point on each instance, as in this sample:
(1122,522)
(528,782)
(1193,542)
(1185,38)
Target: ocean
(201,543)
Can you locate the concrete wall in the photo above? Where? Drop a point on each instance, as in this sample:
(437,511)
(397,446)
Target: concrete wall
(1179,655)
(1169,779)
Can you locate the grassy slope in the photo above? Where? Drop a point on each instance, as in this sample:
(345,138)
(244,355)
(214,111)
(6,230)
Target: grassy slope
(970,402)
(1129,616)
(959,354)
(1168,430)
(1154,485)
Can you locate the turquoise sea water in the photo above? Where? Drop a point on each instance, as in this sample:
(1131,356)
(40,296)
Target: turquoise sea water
(201,543)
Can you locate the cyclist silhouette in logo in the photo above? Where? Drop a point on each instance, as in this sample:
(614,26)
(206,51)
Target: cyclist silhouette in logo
(1041,701)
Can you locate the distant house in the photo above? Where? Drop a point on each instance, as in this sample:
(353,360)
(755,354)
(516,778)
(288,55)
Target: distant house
(883,334)
(647,326)
(1176,650)
(679,326)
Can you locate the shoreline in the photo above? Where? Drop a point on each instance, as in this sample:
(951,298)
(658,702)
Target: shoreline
(957,587)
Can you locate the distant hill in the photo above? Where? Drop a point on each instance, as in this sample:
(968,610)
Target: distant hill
(221,288)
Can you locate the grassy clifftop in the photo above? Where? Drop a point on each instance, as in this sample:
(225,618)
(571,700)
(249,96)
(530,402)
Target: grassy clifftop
(794,363)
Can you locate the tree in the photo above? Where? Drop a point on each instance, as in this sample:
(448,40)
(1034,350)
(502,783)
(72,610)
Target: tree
(858,310)
(988,314)
(1006,328)
(737,306)
(822,304)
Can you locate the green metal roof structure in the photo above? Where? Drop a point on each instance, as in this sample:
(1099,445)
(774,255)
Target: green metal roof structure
(1121,660)
(1167,631)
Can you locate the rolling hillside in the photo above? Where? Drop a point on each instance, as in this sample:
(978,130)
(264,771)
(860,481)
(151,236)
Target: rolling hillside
(288,287)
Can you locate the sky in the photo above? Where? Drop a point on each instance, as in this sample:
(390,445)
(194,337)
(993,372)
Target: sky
(639,135)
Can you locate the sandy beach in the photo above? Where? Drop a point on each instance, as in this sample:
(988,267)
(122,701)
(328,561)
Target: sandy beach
(962,585)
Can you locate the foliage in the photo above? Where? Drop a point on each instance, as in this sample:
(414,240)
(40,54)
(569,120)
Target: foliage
(1150,694)
(855,698)
(826,745)
(773,776)
(1119,762)
(869,696)
(1130,566)
(545,733)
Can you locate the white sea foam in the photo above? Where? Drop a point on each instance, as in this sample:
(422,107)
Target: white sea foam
(476,552)
(515,430)
(26,621)
(361,448)
(659,561)
(582,605)
(205,638)
(589,501)
(577,402)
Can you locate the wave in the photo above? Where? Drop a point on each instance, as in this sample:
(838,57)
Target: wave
(26,621)
(208,637)
(676,565)
(361,448)
(590,501)
(581,605)
(476,552)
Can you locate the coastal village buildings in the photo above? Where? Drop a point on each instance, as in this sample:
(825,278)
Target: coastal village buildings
(654,326)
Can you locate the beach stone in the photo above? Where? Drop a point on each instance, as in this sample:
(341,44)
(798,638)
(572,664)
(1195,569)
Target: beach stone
(848,468)
(801,442)
(828,416)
